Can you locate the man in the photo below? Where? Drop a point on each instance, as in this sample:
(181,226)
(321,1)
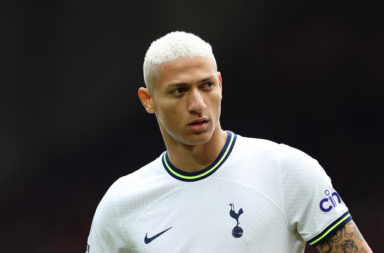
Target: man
(213,190)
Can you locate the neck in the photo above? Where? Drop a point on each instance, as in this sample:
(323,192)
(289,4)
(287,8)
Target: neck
(192,158)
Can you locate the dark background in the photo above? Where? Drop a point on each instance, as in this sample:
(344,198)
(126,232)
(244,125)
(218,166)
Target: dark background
(306,73)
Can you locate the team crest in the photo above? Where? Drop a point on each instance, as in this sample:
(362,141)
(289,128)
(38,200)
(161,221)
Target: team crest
(237,231)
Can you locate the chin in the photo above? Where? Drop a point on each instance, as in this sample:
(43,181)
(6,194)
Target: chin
(198,138)
(189,138)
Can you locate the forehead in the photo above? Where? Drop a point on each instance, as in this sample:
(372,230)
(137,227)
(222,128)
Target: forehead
(185,70)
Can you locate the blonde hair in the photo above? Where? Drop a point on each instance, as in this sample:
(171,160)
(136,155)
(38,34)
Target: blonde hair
(171,47)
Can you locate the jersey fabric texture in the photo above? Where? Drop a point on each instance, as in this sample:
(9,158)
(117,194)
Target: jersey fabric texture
(258,196)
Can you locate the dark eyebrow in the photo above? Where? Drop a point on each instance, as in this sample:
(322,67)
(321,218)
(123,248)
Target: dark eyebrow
(206,79)
(177,85)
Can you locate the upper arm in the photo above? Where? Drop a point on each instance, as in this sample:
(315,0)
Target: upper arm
(346,239)
(320,216)
(105,234)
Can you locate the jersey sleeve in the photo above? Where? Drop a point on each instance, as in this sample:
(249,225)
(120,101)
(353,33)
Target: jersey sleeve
(313,207)
(105,235)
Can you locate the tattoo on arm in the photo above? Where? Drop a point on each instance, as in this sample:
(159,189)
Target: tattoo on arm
(347,239)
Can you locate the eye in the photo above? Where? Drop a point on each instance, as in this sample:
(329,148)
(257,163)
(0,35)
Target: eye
(177,91)
(207,85)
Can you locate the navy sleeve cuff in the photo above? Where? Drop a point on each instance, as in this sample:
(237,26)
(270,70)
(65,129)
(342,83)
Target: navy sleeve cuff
(328,231)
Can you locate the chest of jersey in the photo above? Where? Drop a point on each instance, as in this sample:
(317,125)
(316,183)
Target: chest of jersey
(213,215)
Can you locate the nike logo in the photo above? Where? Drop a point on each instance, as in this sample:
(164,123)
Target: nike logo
(150,239)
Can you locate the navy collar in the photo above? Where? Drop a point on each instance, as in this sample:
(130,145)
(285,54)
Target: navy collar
(194,176)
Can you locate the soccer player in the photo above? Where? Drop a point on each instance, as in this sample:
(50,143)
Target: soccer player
(214,190)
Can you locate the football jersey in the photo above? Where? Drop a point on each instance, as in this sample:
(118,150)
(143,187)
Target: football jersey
(257,196)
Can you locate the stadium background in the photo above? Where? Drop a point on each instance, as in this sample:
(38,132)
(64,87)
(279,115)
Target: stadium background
(308,74)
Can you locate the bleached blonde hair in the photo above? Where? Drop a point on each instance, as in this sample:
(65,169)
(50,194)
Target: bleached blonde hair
(171,47)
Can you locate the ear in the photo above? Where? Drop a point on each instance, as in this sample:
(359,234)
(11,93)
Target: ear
(146,99)
(220,80)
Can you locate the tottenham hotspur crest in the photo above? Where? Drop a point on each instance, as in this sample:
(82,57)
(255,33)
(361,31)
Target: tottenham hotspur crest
(237,231)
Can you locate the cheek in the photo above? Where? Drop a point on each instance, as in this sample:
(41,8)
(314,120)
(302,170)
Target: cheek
(168,114)
(217,102)
(217,107)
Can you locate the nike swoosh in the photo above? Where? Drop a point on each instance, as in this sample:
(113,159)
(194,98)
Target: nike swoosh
(150,239)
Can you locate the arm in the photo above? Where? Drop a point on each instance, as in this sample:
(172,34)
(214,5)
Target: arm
(346,239)
(106,233)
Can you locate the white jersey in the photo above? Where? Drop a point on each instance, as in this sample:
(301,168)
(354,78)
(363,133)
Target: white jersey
(258,196)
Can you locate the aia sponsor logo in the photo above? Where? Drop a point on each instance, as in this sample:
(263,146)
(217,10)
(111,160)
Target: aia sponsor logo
(330,201)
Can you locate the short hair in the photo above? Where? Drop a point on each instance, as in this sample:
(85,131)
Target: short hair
(171,47)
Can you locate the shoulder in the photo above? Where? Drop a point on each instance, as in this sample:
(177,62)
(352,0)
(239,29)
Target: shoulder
(119,203)
(255,142)
(280,152)
(136,180)
(126,187)
(289,161)
(283,151)
(297,165)
(255,146)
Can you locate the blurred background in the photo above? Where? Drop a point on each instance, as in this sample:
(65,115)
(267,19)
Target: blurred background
(308,74)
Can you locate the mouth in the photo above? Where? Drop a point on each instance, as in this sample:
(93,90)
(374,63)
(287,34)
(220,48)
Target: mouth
(199,125)
(198,122)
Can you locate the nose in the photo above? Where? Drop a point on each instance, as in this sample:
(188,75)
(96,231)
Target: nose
(196,102)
